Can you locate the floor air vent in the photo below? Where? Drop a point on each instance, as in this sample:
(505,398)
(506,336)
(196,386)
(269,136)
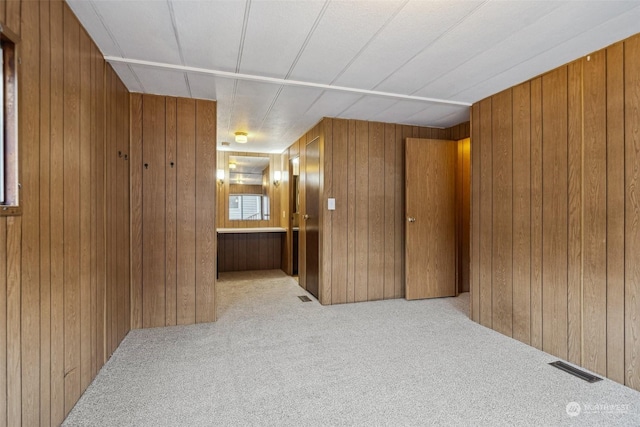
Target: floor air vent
(304,298)
(576,372)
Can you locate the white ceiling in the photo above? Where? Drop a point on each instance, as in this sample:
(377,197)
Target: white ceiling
(277,67)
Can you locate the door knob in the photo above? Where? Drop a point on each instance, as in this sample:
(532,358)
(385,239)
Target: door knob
(411,219)
(306,216)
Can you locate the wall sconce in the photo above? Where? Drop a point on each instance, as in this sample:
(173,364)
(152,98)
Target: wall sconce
(241,137)
(276,178)
(220,176)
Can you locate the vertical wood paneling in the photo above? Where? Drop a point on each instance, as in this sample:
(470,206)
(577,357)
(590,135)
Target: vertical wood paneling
(13,14)
(594,211)
(574,196)
(376,210)
(153,212)
(399,223)
(522,212)
(29,92)
(51,310)
(339,241)
(71,209)
(171,209)
(125,193)
(475,214)
(137,167)
(3,321)
(13,322)
(326,216)
(362,211)
(57,206)
(632,211)
(351,211)
(205,212)
(502,214)
(364,236)
(85,211)
(45,212)
(554,208)
(389,254)
(486,205)
(536,213)
(576,212)
(102,239)
(615,212)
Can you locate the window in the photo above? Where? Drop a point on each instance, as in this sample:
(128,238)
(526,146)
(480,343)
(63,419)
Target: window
(9,122)
(248,207)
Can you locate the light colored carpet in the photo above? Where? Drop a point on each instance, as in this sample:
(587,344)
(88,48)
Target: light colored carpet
(272,360)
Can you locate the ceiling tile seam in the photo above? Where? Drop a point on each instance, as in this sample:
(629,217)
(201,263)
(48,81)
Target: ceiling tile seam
(292,126)
(135,76)
(306,41)
(175,30)
(106,28)
(349,107)
(450,29)
(504,40)
(273,103)
(285,82)
(186,81)
(371,39)
(233,104)
(245,22)
(393,105)
(537,55)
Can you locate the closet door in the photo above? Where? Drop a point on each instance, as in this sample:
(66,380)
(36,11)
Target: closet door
(430,244)
(311,217)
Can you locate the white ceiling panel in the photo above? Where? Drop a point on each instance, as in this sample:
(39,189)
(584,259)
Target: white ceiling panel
(440,116)
(367,107)
(162,82)
(141,28)
(417,25)
(291,102)
(242,52)
(288,23)
(471,37)
(204,86)
(252,101)
(400,111)
(128,77)
(508,53)
(344,30)
(597,37)
(210,32)
(331,103)
(85,11)
(210,87)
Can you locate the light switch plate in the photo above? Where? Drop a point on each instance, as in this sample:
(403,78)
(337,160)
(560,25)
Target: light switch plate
(331,204)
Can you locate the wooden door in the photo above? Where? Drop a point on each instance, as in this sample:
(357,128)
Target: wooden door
(311,216)
(430,244)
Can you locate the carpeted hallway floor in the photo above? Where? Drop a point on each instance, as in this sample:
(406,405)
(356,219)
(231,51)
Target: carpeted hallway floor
(272,360)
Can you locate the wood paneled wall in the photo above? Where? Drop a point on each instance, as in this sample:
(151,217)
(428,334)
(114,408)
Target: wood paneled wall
(555,214)
(223,191)
(63,261)
(362,241)
(173,207)
(249,251)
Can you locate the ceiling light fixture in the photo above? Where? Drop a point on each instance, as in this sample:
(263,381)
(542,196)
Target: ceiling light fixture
(241,137)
